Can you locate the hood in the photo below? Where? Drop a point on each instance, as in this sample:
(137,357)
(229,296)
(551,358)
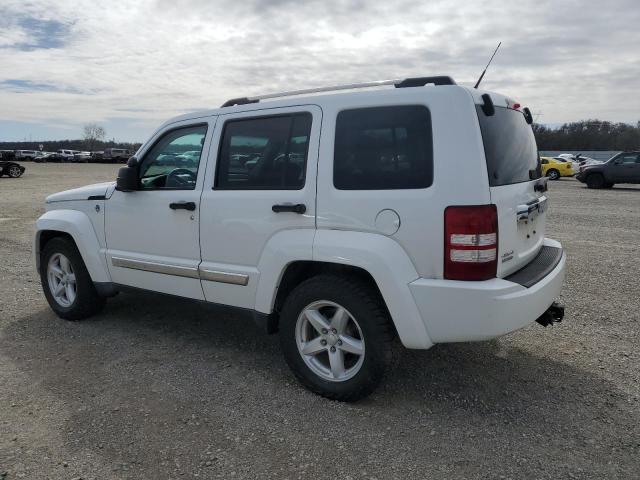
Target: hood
(83,193)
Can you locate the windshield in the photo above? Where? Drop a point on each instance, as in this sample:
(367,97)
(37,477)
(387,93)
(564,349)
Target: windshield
(509,147)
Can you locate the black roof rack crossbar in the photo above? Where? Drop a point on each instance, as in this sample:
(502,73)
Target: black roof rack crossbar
(422,81)
(239,101)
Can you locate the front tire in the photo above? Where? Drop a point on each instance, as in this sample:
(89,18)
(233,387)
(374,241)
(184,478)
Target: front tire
(15,171)
(66,282)
(336,337)
(595,180)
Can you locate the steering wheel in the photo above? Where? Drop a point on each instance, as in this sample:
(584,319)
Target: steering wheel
(174,177)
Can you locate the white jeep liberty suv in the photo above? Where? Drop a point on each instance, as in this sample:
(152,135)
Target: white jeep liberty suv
(340,220)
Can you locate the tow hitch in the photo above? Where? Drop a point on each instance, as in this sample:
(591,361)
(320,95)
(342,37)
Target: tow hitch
(554,314)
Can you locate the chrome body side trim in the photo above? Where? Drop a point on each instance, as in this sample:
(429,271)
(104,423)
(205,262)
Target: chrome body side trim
(224,277)
(190,272)
(180,271)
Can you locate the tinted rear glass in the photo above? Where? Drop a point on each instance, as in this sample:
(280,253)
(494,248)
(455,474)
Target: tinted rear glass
(509,146)
(383,148)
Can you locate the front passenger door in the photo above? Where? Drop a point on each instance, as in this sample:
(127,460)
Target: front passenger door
(152,233)
(626,168)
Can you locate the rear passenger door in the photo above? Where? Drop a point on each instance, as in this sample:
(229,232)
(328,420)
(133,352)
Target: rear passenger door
(262,184)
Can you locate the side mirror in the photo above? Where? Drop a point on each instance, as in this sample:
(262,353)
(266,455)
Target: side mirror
(127,180)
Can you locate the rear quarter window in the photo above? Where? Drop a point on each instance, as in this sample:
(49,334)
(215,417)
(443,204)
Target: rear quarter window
(509,146)
(383,148)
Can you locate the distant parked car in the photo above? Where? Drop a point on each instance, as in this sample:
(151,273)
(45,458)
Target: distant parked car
(66,155)
(7,155)
(554,168)
(81,157)
(43,157)
(26,154)
(582,161)
(116,154)
(11,169)
(97,156)
(621,168)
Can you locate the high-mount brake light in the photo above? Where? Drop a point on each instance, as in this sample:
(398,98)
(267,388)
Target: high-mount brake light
(471,242)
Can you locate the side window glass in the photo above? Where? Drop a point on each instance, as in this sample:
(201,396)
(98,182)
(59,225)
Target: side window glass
(172,163)
(267,153)
(625,158)
(383,148)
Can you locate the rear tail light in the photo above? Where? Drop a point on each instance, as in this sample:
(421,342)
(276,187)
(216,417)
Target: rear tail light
(470,242)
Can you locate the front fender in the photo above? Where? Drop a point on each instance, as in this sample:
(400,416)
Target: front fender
(78,225)
(390,267)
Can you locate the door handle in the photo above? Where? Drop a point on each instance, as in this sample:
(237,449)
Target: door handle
(290,207)
(191,206)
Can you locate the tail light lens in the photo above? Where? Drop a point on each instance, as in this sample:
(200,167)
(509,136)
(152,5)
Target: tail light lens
(470,242)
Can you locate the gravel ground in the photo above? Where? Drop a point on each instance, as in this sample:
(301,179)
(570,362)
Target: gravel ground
(157,388)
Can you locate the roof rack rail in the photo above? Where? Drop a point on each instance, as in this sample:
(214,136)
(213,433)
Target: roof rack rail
(398,83)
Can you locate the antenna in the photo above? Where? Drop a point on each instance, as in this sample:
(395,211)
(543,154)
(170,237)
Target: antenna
(485,68)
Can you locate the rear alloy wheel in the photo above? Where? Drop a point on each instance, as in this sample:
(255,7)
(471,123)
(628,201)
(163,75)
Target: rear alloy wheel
(595,180)
(553,174)
(336,336)
(330,341)
(14,171)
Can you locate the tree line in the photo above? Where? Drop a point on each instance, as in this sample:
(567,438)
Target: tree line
(588,135)
(92,140)
(79,144)
(582,135)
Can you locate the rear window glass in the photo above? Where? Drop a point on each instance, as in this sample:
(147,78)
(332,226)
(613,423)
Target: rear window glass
(509,146)
(264,153)
(383,148)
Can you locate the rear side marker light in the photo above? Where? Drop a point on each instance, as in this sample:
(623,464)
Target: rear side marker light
(471,242)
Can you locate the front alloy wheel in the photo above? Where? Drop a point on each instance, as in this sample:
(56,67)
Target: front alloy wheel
(62,280)
(66,282)
(14,171)
(330,341)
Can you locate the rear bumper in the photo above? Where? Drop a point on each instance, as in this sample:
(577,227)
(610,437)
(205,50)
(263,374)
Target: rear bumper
(455,311)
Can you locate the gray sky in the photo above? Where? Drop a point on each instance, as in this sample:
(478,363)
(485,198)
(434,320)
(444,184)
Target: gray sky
(131,64)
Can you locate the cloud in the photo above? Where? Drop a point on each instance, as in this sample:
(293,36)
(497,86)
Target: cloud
(148,60)
(26,86)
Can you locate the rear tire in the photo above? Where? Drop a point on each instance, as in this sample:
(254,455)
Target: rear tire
(553,174)
(66,282)
(595,180)
(346,360)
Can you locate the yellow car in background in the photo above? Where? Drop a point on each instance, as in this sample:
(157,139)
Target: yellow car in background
(554,168)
